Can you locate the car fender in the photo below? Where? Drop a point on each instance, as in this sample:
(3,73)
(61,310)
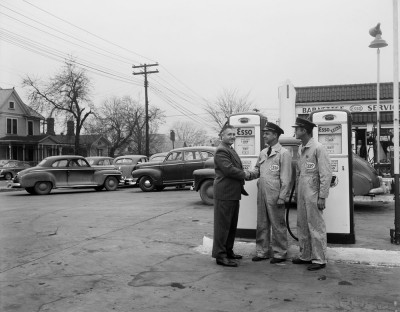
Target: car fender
(100,175)
(30,179)
(155,174)
(201,175)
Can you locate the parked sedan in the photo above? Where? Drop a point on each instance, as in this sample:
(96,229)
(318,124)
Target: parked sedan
(11,168)
(175,170)
(100,161)
(126,164)
(65,171)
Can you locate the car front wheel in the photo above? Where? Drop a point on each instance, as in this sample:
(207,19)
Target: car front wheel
(43,187)
(8,176)
(207,192)
(111,183)
(146,184)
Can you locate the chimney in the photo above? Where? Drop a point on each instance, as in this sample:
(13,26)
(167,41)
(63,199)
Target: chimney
(50,126)
(70,127)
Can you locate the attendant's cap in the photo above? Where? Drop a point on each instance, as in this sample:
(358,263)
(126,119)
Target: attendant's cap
(269,126)
(304,123)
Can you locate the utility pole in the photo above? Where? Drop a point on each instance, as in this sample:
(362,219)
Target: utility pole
(145,73)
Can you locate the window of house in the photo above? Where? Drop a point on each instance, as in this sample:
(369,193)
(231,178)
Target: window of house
(11,105)
(30,127)
(12,126)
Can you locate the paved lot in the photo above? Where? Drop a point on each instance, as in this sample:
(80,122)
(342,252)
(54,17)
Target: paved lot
(134,251)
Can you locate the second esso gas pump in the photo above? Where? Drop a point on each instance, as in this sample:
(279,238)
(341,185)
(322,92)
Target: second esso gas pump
(249,142)
(334,132)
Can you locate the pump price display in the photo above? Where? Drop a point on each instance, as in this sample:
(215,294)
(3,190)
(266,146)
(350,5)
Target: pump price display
(245,141)
(330,136)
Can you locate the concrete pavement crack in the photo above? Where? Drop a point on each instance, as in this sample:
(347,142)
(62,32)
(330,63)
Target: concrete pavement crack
(92,238)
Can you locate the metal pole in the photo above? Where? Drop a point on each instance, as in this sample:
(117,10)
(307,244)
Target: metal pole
(378,121)
(147,112)
(395,235)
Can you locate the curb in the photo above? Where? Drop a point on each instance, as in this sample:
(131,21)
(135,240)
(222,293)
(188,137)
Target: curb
(364,256)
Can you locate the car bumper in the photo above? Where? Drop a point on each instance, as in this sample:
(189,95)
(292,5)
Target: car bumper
(128,181)
(15,185)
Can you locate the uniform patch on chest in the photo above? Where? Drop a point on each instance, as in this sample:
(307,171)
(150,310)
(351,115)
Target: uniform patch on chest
(274,168)
(310,165)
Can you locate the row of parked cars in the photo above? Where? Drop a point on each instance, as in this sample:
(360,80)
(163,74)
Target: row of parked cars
(179,167)
(174,168)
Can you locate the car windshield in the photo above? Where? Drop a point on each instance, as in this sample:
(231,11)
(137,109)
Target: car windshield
(90,161)
(42,163)
(3,162)
(158,158)
(10,164)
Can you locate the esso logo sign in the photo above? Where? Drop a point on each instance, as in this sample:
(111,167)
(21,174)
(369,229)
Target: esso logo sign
(356,108)
(244,131)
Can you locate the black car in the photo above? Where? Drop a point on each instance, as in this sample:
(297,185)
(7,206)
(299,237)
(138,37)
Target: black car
(175,170)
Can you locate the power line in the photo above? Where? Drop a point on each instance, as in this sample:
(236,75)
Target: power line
(101,70)
(69,23)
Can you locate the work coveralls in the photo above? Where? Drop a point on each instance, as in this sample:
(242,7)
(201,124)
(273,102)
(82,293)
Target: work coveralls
(313,182)
(275,173)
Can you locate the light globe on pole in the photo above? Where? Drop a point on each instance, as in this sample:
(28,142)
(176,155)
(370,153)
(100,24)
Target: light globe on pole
(377,43)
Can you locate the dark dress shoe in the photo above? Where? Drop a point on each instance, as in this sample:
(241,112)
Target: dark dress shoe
(299,261)
(233,256)
(316,266)
(277,260)
(257,258)
(226,262)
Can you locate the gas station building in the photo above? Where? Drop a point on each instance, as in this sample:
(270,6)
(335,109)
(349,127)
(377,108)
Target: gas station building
(361,101)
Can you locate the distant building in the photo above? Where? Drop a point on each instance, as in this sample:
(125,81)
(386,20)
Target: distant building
(361,101)
(21,139)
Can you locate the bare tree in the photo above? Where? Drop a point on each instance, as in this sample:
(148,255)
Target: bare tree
(229,102)
(66,94)
(156,118)
(122,122)
(190,134)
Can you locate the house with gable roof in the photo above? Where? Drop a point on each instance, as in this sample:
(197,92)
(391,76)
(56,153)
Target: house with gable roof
(21,137)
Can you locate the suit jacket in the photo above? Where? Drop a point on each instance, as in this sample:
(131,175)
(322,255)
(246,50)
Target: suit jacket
(229,174)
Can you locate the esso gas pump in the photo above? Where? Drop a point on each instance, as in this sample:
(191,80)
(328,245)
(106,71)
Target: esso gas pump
(249,142)
(334,132)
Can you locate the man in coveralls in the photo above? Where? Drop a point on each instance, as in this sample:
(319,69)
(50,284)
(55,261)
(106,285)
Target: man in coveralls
(228,187)
(274,168)
(313,182)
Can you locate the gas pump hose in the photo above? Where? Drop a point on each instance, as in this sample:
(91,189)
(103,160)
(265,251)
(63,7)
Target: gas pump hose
(287,212)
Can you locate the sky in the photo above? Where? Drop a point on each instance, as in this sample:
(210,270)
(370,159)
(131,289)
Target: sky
(202,47)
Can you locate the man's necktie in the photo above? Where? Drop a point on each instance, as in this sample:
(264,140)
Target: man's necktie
(269,151)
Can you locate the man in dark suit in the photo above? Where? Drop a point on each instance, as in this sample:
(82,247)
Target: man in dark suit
(228,187)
